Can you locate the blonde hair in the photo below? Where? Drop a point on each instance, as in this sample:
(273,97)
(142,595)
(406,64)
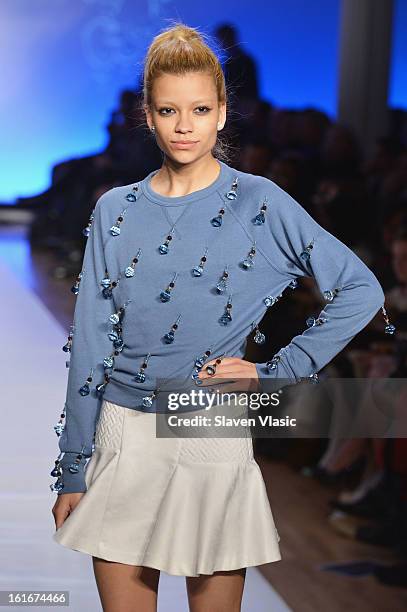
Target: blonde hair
(179,49)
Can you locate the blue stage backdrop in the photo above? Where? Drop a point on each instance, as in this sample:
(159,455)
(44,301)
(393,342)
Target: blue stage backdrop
(64,64)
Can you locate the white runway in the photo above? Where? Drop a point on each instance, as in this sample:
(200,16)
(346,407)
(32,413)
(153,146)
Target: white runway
(33,375)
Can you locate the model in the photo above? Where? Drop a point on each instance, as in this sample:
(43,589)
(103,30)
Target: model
(179,269)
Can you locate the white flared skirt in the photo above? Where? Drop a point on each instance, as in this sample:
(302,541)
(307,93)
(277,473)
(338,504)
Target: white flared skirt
(183,505)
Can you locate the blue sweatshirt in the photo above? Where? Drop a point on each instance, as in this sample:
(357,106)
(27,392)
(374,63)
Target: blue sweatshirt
(168,283)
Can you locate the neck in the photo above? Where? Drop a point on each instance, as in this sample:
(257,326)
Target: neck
(175,179)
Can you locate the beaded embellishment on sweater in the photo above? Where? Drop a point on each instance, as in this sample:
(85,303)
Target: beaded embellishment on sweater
(222,286)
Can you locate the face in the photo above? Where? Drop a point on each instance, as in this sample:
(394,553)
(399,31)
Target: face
(185,108)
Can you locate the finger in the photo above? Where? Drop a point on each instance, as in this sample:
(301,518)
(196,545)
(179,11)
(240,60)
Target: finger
(230,362)
(220,372)
(237,386)
(213,381)
(61,516)
(225,370)
(227,383)
(224,360)
(228,380)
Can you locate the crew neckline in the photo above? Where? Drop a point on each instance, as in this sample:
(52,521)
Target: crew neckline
(198,194)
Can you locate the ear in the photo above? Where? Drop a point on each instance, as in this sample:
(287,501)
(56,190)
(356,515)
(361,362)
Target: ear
(222,115)
(148,114)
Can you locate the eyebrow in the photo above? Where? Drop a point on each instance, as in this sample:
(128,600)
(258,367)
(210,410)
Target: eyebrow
(194,102)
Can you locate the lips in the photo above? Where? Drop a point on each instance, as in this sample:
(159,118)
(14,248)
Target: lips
(184,144)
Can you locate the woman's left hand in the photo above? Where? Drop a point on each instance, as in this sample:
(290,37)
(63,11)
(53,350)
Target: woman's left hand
(242,373)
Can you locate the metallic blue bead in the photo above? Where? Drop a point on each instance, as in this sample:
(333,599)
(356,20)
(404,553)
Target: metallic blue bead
(259,219)
(114,318)
(130,197)
(105,282)
(247,263)
(56,472)
(225,319)
(85,389)
(115,230)
(217,221)
(108,362)
(129,272)
(329,295)
(147,401)
(75,288)
(197,271)
(305,256)
(59,428)
(100,388)
(221,286)
(140,377)
(67,347)
(107,293)
(311,321)
(113,335)
(86,231)
(259,337)
(118,344)
(56,486)
(231,195)
(271,365)
(165,296)
(269,300)
(169,337)
(163,248)
(390,329)
(74,468)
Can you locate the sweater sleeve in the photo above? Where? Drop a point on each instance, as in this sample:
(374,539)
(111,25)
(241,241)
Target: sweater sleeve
(296,246)
(89,346)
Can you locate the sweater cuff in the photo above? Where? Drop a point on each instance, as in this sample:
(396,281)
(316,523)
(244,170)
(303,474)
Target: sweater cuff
(271,380)
(73,483)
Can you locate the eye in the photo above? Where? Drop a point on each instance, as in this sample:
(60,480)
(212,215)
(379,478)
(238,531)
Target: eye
(163,109)
(166,108)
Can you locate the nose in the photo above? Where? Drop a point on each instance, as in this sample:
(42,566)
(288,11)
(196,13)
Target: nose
(183,124)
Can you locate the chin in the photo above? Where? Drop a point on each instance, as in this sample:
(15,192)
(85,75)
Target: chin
(183,155)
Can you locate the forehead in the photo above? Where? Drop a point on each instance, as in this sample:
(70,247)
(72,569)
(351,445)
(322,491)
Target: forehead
(190,87)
